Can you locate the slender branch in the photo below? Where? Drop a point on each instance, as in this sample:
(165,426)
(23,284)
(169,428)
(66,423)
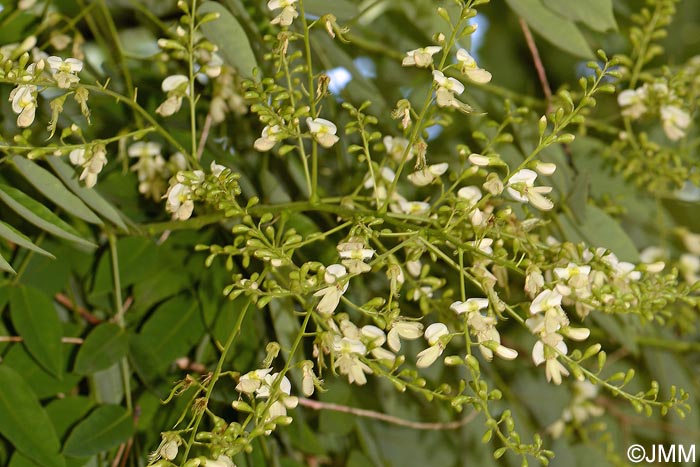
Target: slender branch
(65,340)
(68,303)
(541,74)
(317,405)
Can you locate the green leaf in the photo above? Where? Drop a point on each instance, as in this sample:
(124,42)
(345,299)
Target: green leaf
(5,266)
(227,33)
(51,187)
(39,215)
(25,423)
(10,234)
(65,412)
(103,347)
(89,195)
(170,332)
(106,427)
(343,10)
(559,31)
(600,230)
(42,383)
(36,320)
(596,14)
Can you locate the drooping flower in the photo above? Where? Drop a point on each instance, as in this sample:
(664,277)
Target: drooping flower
(433,334)
(323,131)
(422,57)
(24,103)
(271,134)
(330,296)
(176,86)
(347,361)
(469,68)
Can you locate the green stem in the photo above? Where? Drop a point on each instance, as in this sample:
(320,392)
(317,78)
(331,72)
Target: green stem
(215,377)
(312,102)
(119,317)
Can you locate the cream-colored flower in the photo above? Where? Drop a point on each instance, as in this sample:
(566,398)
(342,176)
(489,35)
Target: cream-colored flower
(468,66)
(405,330)
(24,103)
(271,134)
(422,57)
(288,14)
(447,88)
(428,174)
(633,102)
(675,121)
(330,296)
(65,71)
(521,186)
(323,131)
(433,334)
(472,305)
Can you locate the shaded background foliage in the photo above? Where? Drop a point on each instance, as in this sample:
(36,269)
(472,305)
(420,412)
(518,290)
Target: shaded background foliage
(62,397)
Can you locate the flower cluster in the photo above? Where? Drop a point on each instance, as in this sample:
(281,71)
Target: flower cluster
(484,328)
(636,103)
(550,324)
(92,160)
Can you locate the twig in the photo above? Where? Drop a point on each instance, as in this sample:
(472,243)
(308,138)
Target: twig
(65,340)
(68,303)
(317,405)
(541,74)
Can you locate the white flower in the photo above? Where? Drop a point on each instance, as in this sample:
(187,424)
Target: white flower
(428,174)
(675,121)
(471,194)
(521,186)
(307,380)
(216,169)
(413,207)
(545,168)
(270,136)
(421,58)
(405,330)
(323,131)
(144,149)
(469,67)
(268,380)
(64,71)
(221,461)
(447,88)
(175,83)
(472,305)
(546,300)
(633,102)
(24,103)
(689,266)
